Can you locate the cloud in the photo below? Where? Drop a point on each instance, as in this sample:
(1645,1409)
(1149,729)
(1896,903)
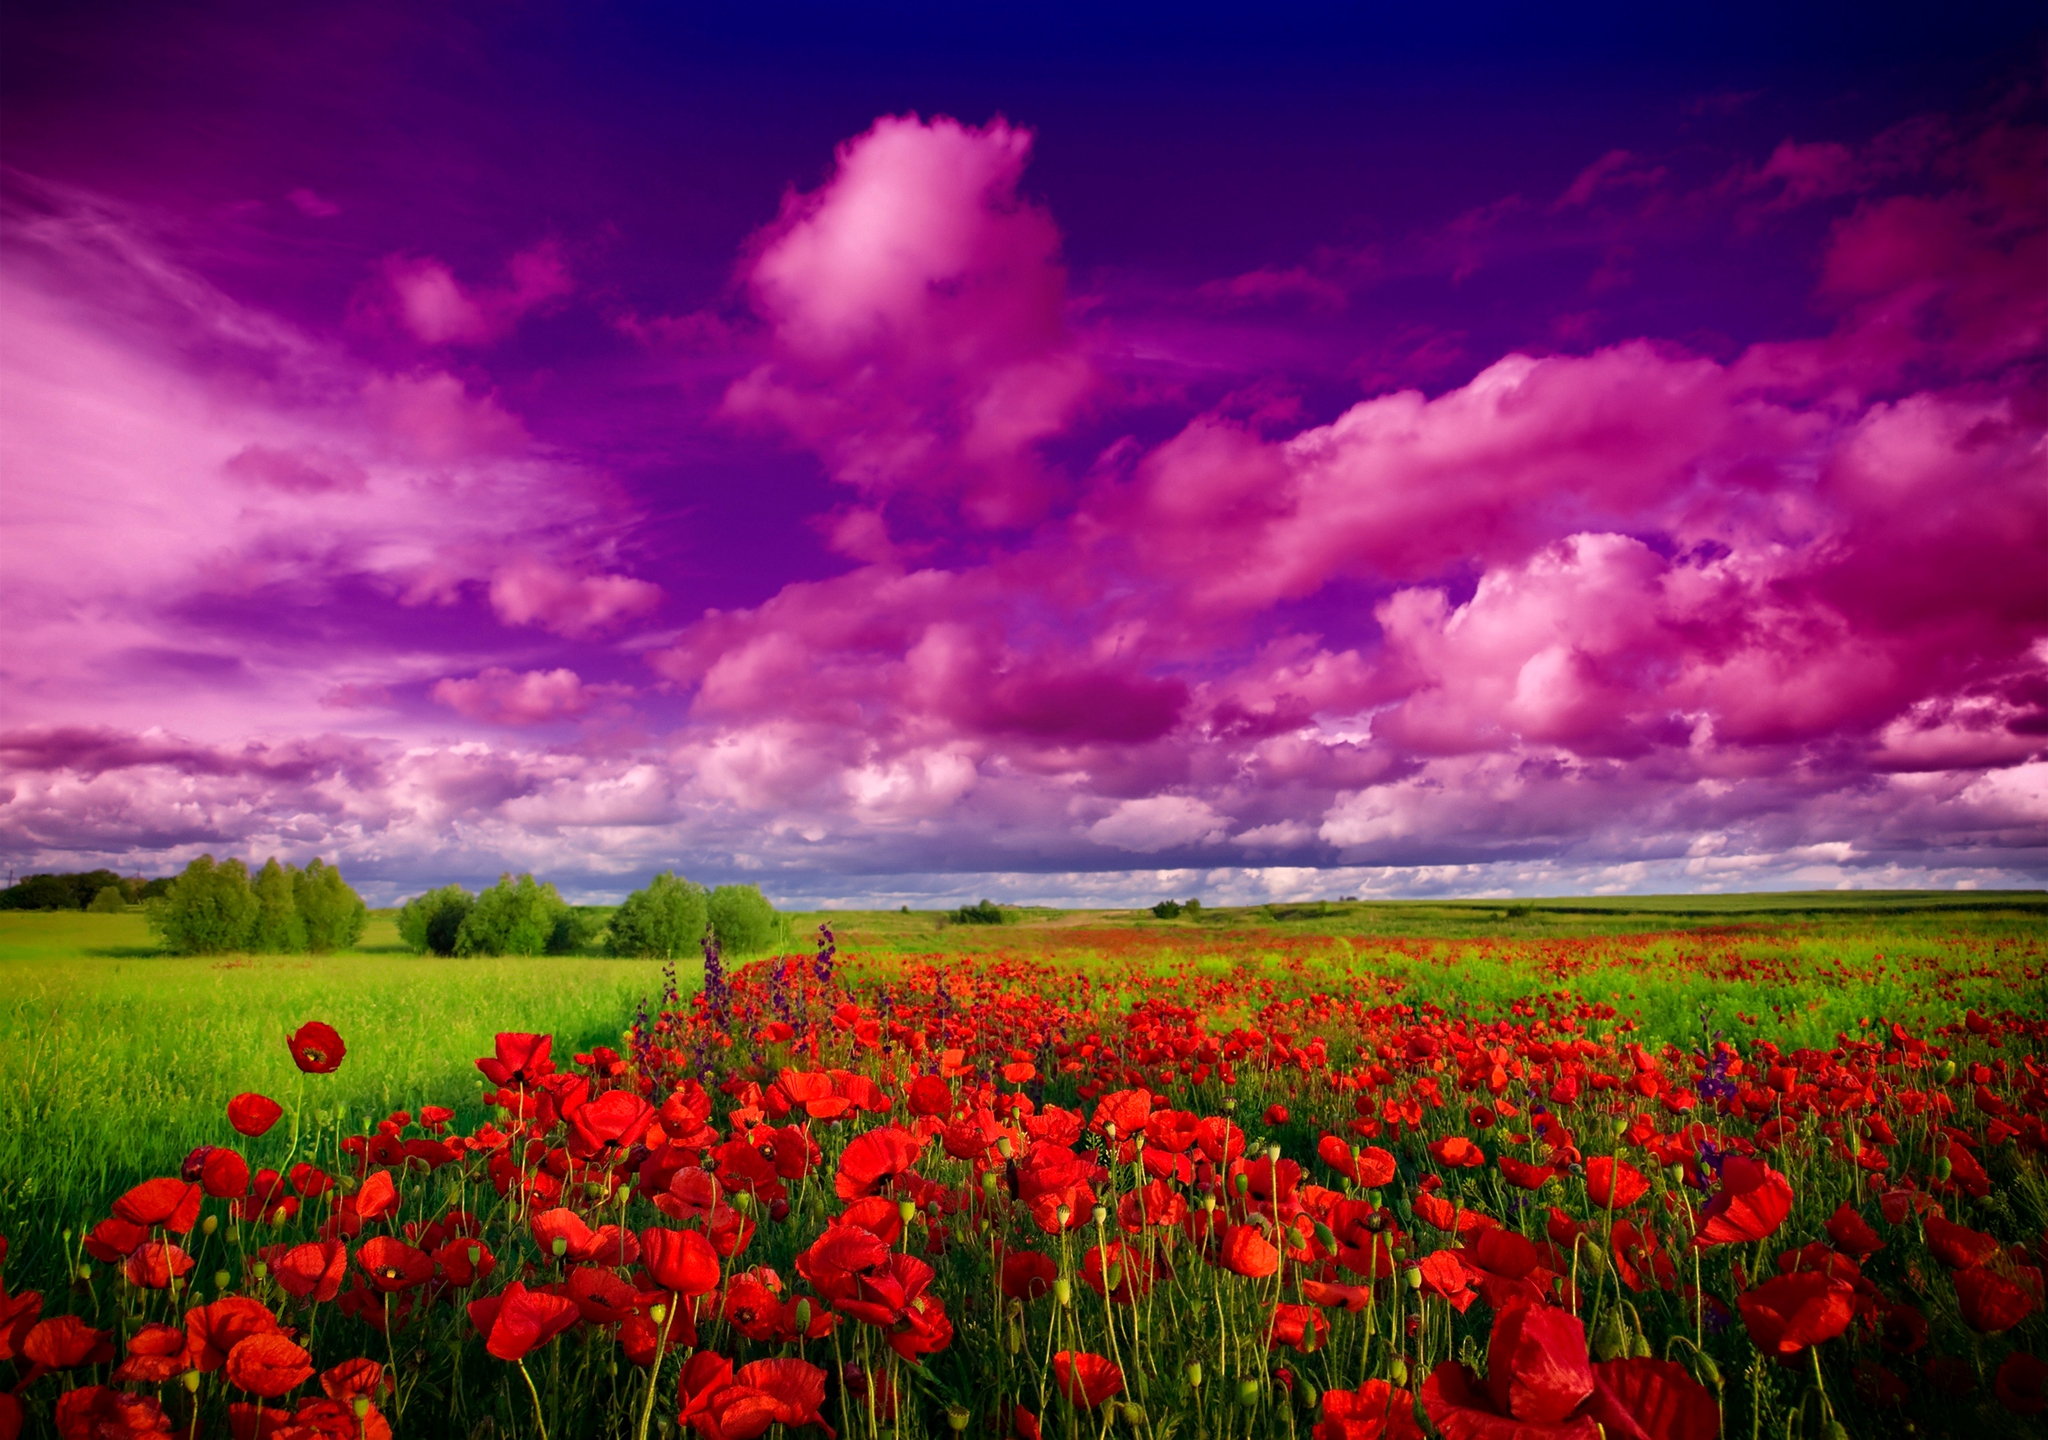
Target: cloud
(533,592)
(498,696)
(1158,822)
(916,308)
(424,297)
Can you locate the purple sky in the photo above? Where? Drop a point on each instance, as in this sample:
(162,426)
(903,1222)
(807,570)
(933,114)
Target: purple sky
(908,455)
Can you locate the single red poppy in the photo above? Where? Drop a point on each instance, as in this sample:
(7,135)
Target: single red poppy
(1523,1175)
(312,1271)
(1786,1314)
(1028,1275)
(1614,1184)
(796,1388)
(1993,1301)
(268,1366)
(600,1297)
(64,1342)
(929,1095)
(1852,1234)
(362,1376)
(603,1130)
(114,1239)
(1301,1326)
(1085,1378)
(1374,1411)
(1649,1399)
(1536,1366)
(156,1353)
(173,1204)
(155,1264)
(1457,1153)
(873,1160)
(1752,1203)
(394,1266)
(520,1061)
(217,1328)
(681,1261)
(1276,1114)
(465,1260)
(316,1048)
(1957,1246)
(94,1410)
(1244,1250)
(704,1375)
(253,1114)
(2022,1384)
(519,1320)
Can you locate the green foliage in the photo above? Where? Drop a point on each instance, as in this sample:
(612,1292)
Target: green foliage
(744,920)
(331,914)
(986,913)
(209,911)
(661,922)
(62,892)
(111,900)
(1167,909)
(513,917)
(576,930)
(429,923)
(278,930)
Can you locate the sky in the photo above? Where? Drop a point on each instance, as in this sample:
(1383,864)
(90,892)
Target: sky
(1077,454)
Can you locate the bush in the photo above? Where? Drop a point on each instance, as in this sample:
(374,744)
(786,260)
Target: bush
(1166,909)
(331,914)
(513,917)
(744,920)
(111,900)
(210,909)
(662,922)
(986,913)
(277,930)
(430,922)
(576,930)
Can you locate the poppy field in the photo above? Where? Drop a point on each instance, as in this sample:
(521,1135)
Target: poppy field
(1234,1179)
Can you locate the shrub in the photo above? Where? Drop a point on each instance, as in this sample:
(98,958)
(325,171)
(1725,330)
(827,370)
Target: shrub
(331,914)
(210,909)
(277,929)
(1166,909)
(513,917)
(744,920)
(661,922)
(111,900)
(430,922)
(576,929)
(986,913)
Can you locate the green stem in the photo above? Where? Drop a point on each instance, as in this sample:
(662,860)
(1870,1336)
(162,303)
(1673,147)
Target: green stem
(538,1418)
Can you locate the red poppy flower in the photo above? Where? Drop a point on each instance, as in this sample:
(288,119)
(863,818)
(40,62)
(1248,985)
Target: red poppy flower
(1992,1301)
(518,1320)
(1536,1366)
(681,1261)
(223,1173)
(173,1204)
(1753,1202)
(1085,1378)
(156,1353)
(253,1114)
(1027,1274)
(606,1128)
(394,1266)
(1445,1275)
(217,1328)
(871,1161)
(1276,1114)
(704,1376)
(1352,1298)
(796,1388)
(1245,1250)
(1786,1314)
(64,1342)
(1614,1184)
(1522,1174)
(465,1260)
(520,1061)
(1455,1152)
(1301,1326)
(153,1265)
(351,1378)
(2022,1384)
(316,1048)
(1957,1246)
(929,1095)
(1653,1398)
(1852,1234)
(93,1410)
(268,1366)
(896,1298)
(600,1297)
(1122,1271)
(1374,1411)
(312,1271)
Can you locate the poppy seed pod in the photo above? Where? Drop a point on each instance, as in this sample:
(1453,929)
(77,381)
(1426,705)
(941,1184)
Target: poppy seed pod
(1248,1392)
(1100,1213)
(558,1247)
(210,1224)
(1063,1290)
(958,1416)
(1194,1374)
(1133,1414)
(191,1381)
(906,1210)
(361,1405)
(221,1279)
(1397,1371)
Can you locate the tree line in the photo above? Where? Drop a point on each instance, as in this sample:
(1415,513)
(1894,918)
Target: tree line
(98,890)
(219,908)
(520,916)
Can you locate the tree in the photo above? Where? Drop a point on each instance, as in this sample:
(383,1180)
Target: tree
(662,922)
(210,909)
(332,914)
(430,922)
(513,917)
(986,913)
(278,929)
(1166,909)
(111,900)
(742,918)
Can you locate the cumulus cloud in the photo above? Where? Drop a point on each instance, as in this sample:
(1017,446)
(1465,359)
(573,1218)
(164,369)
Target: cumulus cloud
(503,697)
(533,592)
(424,297)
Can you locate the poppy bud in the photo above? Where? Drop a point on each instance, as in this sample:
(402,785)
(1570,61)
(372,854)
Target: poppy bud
(191,1379)
(1943,1167)
(1138,1142)
(1374,1199)
(1325,1236)
(361,1406)
(1194,1374)
(1244,1184)
(1101,1213)
(1004,1148)
(1639,1348)
(1063,1214)
(1248,1392)
(1208,1202)
(1230,1106)
(210,1224)
(743,1200)
(988,1183)
(1610,1340)
(1397,1372)
(262,1270)
(1063,1290)
(1114,1278)
(476,1254)
(803,1314)
(1704,1368)
(957,1416)
(221,1279)
(1308,1395)
(658,1314)
(1947,1071)
(1412,1277)
(1837,1430)
(1110,1130)
(778,1211)
(85,1273)
(1133,1415)
(558,1247)
(1013,1337)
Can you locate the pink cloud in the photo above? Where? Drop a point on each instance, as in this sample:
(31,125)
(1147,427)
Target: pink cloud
(427,300)
(916,311)
(307,472)
(434,417)
(534,592)
(1269,285)
(499,696)
(1616,170)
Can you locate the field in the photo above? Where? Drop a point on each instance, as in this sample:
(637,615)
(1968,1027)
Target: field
(1415,1065)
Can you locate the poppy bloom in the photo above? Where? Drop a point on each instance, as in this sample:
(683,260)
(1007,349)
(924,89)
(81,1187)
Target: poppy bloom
(465,1260)
(93,1410)
(520,1061)
(600,1297)
(1753,1202)
(1455,1152)
(1992,1301)
(1027,1274)
(217,1328)
(312,1270)
(519,1320)
(1536,1373)
(352,1378)
(873,1160)
(796,1388)
(1956,1246)
(895,1298)
(268,1366)
(394,1266)
(316,1048)
(704,1376)
(1246,1251)
(156,1353)
(1301,1326)
(1276,1114)
(1374,1411)
(2022,1384)
(253,1114)
(1614,1184)
(1786,1314)
(1523,1175)
(1085,1378)
(64,1342)
(1852,1234)
(173,1204)
(929,1095)
(606,1128)
(1653,1397)
(153,1266)
(681,1261)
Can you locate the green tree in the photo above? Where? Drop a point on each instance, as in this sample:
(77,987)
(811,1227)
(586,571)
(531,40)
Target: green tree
(662,922)
(430,922)
(278,929)
(111,900)
(333,914)
(743,918)
(210,909)
(513,917)
(986,913)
